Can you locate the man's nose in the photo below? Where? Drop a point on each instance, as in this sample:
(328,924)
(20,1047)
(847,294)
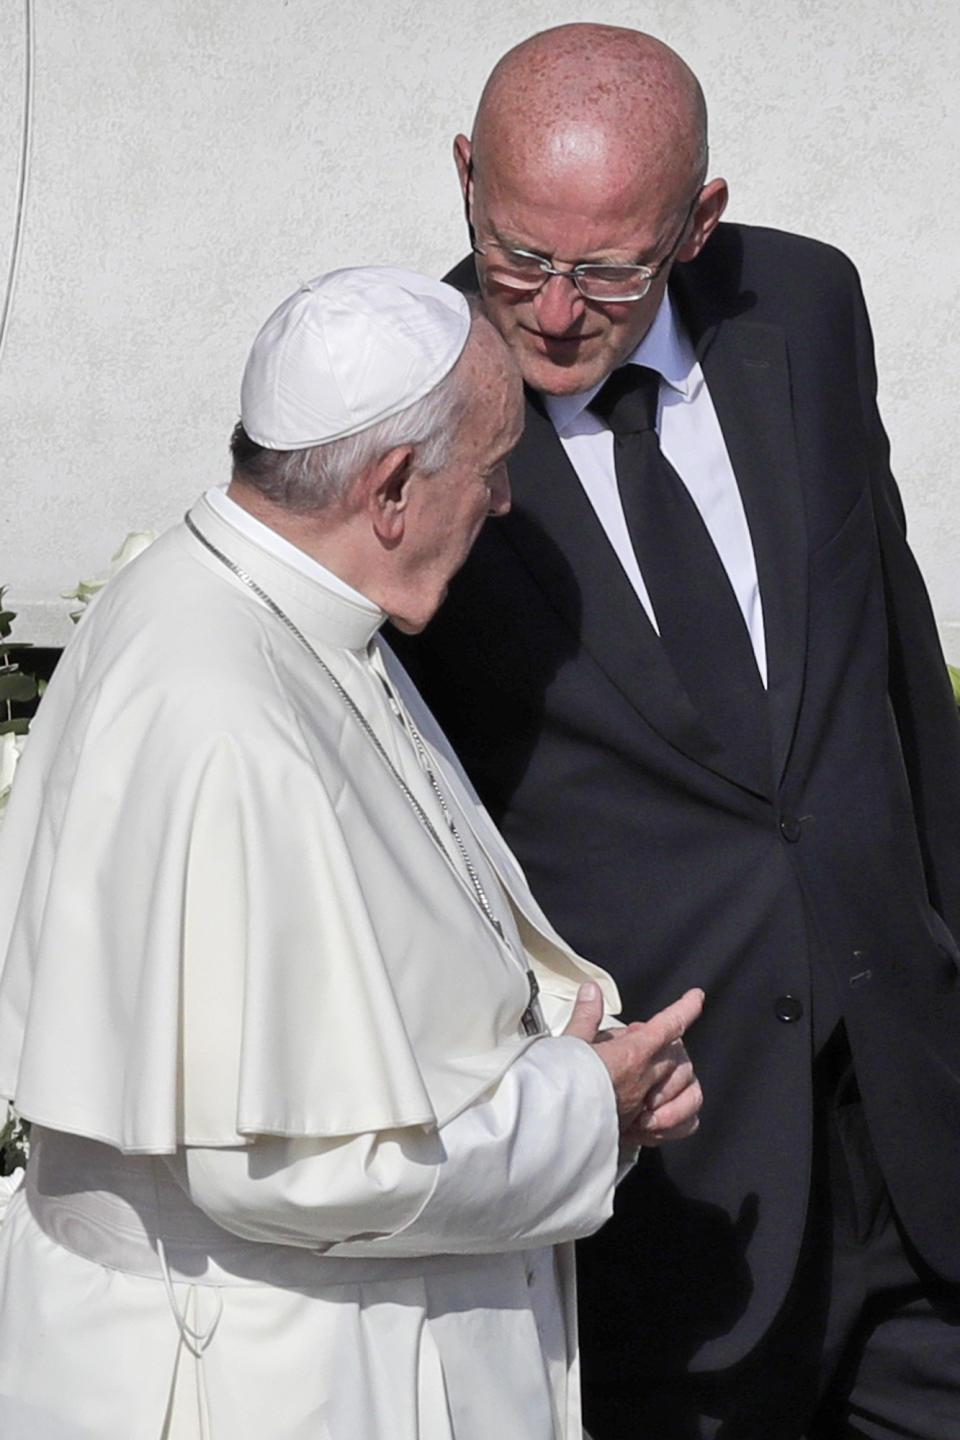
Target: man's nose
(558,305)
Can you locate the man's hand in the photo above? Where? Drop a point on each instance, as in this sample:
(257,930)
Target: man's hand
(658,1095)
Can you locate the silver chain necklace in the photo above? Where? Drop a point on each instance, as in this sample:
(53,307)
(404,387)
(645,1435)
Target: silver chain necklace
(531,1020)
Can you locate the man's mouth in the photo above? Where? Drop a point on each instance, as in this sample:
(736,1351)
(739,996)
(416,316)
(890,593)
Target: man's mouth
(556,346)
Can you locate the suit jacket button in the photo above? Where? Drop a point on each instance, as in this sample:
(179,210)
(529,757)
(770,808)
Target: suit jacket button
(790,828)
(788,1009)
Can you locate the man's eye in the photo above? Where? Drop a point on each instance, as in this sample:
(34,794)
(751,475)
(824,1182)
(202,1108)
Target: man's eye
(516,261)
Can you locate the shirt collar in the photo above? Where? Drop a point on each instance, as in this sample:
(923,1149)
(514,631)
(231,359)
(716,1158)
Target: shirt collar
(283,549)
(320,604)
(665,348)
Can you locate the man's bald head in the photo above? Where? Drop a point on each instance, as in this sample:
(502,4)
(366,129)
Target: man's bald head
(578,92)
(589,146)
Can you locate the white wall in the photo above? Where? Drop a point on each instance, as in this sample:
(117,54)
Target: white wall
(191,160)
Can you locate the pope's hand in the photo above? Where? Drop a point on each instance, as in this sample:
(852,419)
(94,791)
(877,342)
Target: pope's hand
(658,1094)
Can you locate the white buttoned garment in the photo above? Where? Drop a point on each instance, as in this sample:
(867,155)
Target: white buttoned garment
(300,1168)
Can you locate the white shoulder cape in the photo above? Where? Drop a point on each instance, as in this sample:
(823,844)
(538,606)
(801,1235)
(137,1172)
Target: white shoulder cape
(217,917)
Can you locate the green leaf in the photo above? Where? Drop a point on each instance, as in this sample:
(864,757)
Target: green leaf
(954,674)
(14,686)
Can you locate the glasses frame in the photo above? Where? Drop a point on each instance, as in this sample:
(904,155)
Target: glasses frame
(646,274)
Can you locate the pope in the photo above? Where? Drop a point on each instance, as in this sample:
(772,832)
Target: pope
(319,1098)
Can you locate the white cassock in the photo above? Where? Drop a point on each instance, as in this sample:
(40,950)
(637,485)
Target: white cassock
(299,1171)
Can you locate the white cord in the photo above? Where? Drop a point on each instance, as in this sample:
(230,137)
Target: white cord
(23,174)
(196,1341)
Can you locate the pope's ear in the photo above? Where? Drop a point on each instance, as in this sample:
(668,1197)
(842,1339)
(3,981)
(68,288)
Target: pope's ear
(462,152)
(387,486)
(706,217)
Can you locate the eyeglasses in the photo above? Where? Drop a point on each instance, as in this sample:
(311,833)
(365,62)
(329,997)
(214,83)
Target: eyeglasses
(523,270)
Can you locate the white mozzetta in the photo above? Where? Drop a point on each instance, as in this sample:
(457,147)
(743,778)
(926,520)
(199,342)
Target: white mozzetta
(273,1047)
(266,874)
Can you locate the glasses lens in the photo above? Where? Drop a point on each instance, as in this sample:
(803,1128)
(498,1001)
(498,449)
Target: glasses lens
(597,282)
(513,267)
(613,282)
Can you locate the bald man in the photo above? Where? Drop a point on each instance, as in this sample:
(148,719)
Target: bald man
(695,677)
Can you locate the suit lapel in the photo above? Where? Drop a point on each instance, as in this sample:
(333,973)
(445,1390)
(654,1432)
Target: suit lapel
(746,368)
(556,534)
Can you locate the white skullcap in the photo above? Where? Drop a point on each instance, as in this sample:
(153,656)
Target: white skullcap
(346,350)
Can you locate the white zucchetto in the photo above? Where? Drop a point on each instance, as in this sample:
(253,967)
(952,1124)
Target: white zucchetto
(347,350)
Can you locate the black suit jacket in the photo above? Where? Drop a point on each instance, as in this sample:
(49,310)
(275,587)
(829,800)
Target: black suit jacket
(833,879)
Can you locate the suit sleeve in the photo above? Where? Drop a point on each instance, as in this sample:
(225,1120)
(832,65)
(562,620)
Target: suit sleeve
(919,687)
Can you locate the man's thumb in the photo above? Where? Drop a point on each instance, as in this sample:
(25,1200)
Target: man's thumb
(587,1012)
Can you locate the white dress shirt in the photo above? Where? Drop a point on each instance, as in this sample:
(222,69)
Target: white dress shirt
(691,439)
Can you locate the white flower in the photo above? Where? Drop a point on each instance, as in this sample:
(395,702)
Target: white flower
(11,748)
(133,546)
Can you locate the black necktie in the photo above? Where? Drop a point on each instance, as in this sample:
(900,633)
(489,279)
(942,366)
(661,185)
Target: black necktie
(700,622)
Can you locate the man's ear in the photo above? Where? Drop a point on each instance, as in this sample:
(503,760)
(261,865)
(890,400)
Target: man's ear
(387,492)
(462,151)
(706,217)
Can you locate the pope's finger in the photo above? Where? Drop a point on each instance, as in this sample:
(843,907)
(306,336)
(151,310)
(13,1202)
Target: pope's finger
(672,1023)
(673,1120)
(675,1082)
(587,1013)
(649,1139)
